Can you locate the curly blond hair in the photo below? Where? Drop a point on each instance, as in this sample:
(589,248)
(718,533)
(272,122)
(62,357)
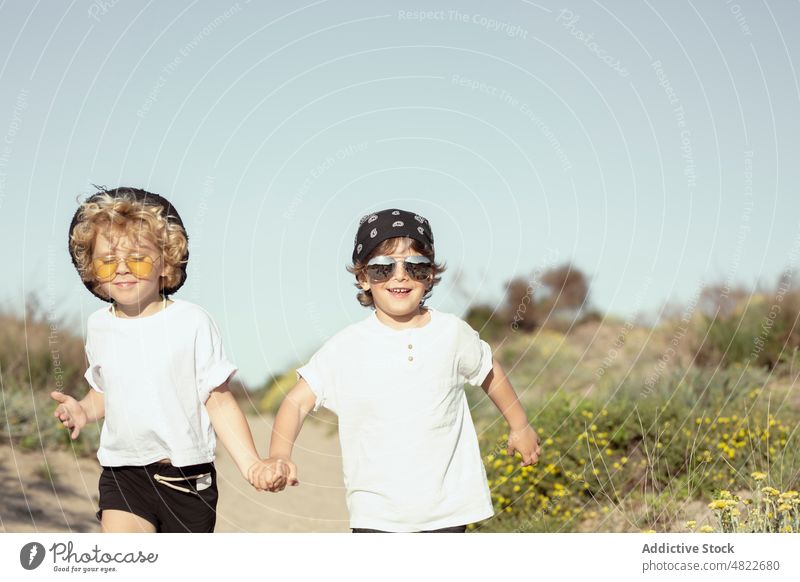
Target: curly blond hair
(120,216)
(387,247)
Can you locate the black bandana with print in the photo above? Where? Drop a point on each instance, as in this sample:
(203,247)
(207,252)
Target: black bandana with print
(377,227)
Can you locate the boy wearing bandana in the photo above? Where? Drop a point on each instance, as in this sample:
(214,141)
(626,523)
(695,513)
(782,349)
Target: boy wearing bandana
(396,380)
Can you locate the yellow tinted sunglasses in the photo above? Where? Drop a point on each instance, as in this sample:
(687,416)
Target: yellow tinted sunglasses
(140,266)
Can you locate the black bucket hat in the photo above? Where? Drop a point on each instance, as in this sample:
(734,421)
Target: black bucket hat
(146,198)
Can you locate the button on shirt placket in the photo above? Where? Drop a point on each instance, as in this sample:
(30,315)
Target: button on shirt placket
(409,348)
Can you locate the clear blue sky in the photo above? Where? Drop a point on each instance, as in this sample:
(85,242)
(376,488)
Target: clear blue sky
(655,144)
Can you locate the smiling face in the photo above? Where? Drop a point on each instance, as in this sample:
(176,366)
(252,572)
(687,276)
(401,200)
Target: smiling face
(400,295)
(135,269)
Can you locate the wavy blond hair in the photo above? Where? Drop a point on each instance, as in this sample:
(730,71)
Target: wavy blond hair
(387,247)
(124,216)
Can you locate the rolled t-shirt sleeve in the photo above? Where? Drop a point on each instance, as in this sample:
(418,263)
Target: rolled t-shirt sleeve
(94,373)
(318,374)
(212,365)
(474,357)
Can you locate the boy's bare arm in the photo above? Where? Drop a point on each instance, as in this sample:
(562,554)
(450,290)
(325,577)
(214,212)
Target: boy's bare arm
(521,437)
(295,407)
(94,403)
(501,393)
(231,426)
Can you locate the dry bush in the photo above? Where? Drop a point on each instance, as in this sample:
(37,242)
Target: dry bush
(557,299)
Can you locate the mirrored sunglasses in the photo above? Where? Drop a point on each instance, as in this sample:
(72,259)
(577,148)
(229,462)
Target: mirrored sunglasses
(382,268)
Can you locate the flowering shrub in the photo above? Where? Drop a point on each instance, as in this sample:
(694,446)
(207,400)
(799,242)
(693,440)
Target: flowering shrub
(607,454)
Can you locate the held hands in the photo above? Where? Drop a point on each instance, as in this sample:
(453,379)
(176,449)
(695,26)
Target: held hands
(266,475)
(272,474)
(289,472)
(70,412)
(526,442)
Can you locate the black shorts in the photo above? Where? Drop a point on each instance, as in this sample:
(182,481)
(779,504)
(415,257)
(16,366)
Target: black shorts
(171,498)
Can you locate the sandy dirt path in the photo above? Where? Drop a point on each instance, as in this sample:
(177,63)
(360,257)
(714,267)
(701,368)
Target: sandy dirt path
(316,505)
(30,501)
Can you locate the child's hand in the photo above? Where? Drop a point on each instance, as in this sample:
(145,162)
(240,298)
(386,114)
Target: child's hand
(526,442)
(267,475)
(290,471)
(70,412)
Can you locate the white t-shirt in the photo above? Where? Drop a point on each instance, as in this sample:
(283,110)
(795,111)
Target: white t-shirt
(409,450)
(156,373)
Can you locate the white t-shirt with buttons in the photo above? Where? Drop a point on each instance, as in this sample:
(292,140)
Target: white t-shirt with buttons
(409,450)
(156,373)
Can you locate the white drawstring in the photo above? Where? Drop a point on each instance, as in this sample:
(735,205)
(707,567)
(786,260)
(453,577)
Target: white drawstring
(167,481)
